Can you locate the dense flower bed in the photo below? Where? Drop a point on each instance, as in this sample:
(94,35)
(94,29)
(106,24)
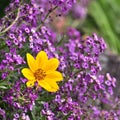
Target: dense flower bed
(45,75)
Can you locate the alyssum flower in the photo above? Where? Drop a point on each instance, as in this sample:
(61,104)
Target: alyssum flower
(43,71)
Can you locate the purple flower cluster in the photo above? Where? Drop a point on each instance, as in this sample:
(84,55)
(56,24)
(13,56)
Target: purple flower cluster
(79,10)
(9,63)
(2,113)
(84,92)
(83,83)
(23,116)
(63,6)
(26,30)
(20,99)
(43,40)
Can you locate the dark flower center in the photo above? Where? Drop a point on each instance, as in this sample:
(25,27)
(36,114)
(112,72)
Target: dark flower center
(39,74)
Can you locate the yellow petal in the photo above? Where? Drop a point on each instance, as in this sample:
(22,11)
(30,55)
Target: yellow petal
(54,76)
(31,62)
(41,59)
(28,74)
(45,85)
(53,84)
(53,90)
(52,64)
(30,83)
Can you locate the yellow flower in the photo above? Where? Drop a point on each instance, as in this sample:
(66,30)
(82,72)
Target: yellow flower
(43,71)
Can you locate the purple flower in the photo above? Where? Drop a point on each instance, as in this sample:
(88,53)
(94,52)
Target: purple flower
(2,113)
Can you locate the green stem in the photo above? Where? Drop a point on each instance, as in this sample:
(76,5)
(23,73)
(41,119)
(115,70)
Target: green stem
(42,22)
(33,116)
(17,17)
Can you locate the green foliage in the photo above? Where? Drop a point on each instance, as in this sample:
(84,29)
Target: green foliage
(104,17)
(3,5)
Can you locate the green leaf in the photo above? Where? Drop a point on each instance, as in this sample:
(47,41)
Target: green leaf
(3,87)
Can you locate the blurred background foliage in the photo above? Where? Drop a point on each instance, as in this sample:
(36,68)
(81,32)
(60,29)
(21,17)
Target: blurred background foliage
(103,17)
(3,4)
